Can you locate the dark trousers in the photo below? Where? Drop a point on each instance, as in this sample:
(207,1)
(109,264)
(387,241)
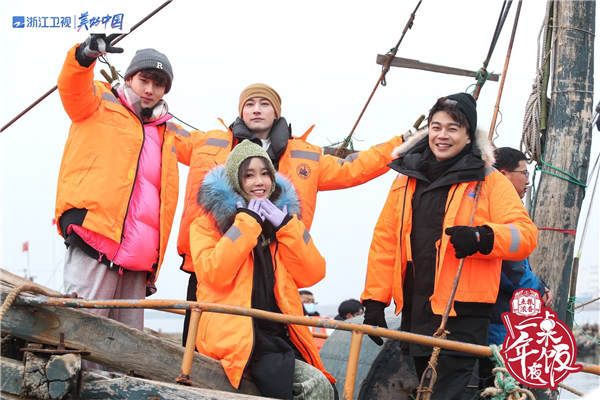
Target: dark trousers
(191,296)
(486,377)
(453,376)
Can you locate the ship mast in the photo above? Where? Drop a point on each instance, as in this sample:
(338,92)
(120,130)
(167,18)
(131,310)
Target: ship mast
(566,154)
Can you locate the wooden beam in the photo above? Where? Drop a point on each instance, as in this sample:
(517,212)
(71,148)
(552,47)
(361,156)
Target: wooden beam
(115,386)
(114,344)
(94,386)
(15,280)
(415,64)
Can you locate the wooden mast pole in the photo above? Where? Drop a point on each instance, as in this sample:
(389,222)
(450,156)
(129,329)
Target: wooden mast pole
(567,147)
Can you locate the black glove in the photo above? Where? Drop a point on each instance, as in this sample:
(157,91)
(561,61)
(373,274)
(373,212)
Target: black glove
(95,46)
(375,316)
(468,240)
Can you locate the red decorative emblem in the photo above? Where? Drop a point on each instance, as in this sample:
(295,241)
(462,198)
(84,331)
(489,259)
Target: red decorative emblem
(303,171)
(539,350)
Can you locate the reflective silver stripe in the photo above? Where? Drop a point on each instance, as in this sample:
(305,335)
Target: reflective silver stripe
(173,149)
(349,158)
(233,233)
(109,97)
(489,170)
(217,142)
(515,239)
(306,236)
(179,131)
(307,155)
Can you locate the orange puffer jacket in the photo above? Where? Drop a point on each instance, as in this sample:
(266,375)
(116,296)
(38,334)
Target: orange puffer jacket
(304,164)
(498,206)
(100,158)
(223,263)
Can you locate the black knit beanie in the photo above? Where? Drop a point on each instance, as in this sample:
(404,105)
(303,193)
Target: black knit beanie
(468,106)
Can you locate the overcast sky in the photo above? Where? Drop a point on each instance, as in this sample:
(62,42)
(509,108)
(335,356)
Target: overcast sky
(319,56)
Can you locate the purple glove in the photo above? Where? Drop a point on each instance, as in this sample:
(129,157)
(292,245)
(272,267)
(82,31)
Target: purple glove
(271,213)
(254,206)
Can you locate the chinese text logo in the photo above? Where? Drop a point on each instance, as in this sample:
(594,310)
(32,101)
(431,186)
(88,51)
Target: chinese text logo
(539,350)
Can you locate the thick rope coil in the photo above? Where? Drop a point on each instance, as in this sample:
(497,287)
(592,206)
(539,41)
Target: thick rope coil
(531,136)
(531,143)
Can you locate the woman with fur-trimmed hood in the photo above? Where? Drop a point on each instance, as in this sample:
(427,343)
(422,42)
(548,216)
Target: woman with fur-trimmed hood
(424,229)
(250,249)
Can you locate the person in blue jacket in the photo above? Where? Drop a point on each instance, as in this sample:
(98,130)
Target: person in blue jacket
(515,274)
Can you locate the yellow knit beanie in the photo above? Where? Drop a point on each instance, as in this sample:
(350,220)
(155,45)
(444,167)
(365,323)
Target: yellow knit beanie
(261,90)
(244,150)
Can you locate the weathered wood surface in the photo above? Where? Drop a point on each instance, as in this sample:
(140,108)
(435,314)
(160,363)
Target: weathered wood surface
(106,385)
(13,280)
(11,372)
(53,377)
(129,388)
(416,64)
(567,145)
(111,343)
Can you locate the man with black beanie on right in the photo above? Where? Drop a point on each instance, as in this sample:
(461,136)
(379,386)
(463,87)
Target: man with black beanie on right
(425,229)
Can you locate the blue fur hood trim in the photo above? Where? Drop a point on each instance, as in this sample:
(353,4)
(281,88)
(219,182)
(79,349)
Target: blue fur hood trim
(217,197)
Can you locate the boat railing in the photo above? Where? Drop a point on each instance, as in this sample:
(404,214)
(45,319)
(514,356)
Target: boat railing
(197,308)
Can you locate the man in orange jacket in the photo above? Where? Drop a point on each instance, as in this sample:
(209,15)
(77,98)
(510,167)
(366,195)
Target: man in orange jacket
(425,228)
(118,181)
(310,171)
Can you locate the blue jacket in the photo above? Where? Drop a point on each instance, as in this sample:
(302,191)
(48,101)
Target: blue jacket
(515,275)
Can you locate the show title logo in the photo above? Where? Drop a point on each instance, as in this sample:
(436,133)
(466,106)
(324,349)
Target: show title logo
(539,350)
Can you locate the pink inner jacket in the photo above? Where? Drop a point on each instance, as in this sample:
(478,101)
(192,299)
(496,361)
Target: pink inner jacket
(138,251)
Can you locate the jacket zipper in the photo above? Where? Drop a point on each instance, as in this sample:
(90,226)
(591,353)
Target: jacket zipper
(251,319)
(438,245)
(310,359)
(137,166)
(160,203)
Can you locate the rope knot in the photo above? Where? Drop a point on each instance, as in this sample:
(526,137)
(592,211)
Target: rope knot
(505,386)
(482,76)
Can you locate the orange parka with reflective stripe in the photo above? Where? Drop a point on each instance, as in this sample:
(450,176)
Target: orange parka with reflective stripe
(224,267)
(101,155)
(304,164)
(499,207)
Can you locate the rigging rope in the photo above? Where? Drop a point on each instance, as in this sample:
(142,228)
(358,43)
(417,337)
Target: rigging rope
(483,74)
(586,303)
(587,216)
(560,173)
(531,141)
(505,386)
(381,80)
(493,126)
